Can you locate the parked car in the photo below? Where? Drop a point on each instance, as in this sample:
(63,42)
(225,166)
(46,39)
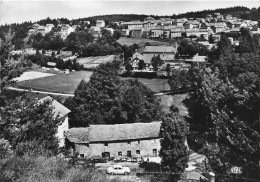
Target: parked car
(118,169)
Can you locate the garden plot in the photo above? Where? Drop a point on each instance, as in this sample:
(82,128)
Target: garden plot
(92,62)
(30,75)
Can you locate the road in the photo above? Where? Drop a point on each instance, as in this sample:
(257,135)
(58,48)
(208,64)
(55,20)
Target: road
(42,92)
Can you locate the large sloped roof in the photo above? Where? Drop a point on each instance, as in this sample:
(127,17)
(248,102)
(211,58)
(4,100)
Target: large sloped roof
(78,135)
(59,109)
(118,132)
(162,49)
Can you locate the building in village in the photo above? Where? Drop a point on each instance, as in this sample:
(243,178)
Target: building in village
(137,32)
(41,29)
(137,57)
(166,53)
(61,112)
(65,31)
(100,23)
(120,140)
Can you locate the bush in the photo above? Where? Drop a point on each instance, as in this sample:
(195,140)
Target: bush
(49,169)
(140,74)
(150,166)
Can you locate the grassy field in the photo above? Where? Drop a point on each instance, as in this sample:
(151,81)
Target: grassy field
(140,41)
(92,62)
(61,83)
(155,84)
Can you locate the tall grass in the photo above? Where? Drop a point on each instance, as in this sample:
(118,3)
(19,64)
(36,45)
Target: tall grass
(50,169)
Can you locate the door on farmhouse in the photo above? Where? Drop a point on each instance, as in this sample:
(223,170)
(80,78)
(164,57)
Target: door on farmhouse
(155,152)
(106,155)
(129,153)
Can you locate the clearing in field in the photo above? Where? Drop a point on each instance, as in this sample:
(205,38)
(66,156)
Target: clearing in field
(30,75)
(140,41)
(61,83)
(92,62)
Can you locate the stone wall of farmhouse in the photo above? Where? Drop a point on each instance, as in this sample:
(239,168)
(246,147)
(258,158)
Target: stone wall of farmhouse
(148,147)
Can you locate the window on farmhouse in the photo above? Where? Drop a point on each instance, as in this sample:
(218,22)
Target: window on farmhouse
(106,144)
(138,152)
(138,141)
(155,152)
(119,153)
(81,155)
(129,142)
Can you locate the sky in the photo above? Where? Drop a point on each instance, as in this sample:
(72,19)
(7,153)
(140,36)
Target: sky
(32,10)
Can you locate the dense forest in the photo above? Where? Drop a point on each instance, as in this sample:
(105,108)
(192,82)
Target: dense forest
(235,11)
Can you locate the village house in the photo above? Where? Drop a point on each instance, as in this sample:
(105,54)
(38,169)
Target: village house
(179,22)
(166,53)
(65,31)
(41,29)
(61,112)
(146,33)
(48,28)
(197,33)
(236,24)
(149,24)
(218,27)
(119,140)
(124,32)
(100,23)
(137,32)
(176,32)
(136,58)
(31,32)
(205,26)
(156,32)
(134,24)
(228,17)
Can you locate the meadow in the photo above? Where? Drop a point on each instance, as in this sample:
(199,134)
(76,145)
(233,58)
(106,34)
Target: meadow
(140,41)
(61,83)
(155,84)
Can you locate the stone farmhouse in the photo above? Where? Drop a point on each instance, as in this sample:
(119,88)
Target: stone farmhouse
(61,112)
(120,140)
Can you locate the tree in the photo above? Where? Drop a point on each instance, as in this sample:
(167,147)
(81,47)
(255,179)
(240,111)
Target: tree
(224,45)
(173,132)
(30,125)
(168,69)
(129,67)
(246,43)
(227,120)
(141,65)
(156,62)
(105,99)
(179,79)
(116,35)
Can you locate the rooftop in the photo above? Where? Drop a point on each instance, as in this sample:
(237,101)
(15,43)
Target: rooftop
(162,49)
(118,132)
(59,109)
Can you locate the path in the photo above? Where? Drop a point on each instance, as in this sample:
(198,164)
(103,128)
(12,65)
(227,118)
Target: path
(42,92)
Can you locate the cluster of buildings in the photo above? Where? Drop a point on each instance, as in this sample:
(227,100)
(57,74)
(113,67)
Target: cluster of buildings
(64,29)
(166,54)
(174,28)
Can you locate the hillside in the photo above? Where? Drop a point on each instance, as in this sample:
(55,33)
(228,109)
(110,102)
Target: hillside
(235,11)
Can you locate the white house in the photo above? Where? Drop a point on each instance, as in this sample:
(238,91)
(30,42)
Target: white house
(100,23)
(66,30)
(61,112)
(48,28)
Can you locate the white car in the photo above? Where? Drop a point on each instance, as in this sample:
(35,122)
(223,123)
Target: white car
(118,169)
